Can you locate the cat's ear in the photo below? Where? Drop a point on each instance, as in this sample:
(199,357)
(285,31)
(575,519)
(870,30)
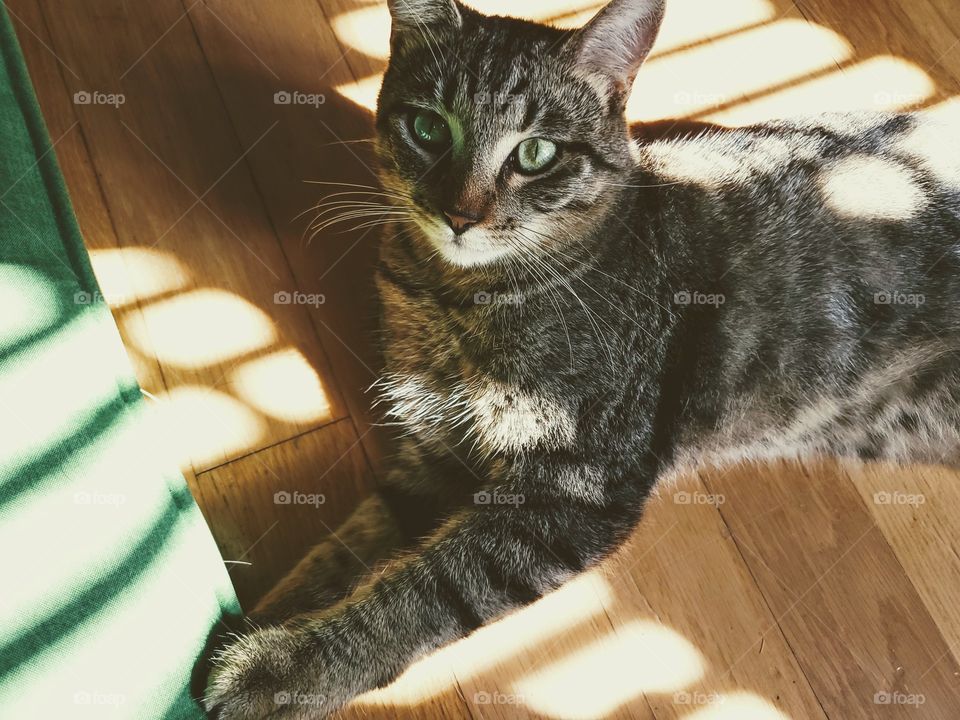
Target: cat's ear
(618,39)
(412,19)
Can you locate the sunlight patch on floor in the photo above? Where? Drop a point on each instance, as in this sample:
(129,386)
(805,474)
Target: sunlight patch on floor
(640,657)
(126,275)
(366,30)
(540,624)
(883,83)
(705,64)
(561,658)
(691,22)
(202,327)
(206,427)
(720,72)
(737,706)
(283,385)
(230,400)
(539,10)
(363,92)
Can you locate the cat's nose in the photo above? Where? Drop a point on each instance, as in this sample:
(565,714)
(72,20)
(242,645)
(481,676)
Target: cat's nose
(459,221)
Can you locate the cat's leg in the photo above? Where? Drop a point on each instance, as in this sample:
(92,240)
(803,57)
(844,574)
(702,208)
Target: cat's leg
(546,521)
(405,509)
(330,569)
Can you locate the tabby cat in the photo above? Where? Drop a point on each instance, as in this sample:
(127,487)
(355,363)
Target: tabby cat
(571,315)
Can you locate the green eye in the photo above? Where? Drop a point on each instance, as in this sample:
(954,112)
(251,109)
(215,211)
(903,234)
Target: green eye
(535,155)
(429,130)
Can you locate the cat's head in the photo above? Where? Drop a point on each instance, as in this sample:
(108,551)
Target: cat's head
(500,135)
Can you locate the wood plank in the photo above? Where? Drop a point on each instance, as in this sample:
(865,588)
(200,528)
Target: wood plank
(269,508)
(561,656)
(854,620)
(810,65)
(916,509)
(922,32)
(176,182)
(683,568)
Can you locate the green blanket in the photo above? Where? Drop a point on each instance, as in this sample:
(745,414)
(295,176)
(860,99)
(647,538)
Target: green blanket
(110,583)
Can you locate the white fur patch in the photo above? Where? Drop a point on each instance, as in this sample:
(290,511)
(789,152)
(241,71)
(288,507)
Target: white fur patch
(499,418)
(508,420)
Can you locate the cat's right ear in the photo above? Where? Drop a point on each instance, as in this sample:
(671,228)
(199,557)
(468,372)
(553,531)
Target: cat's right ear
(614,44)
(413,20)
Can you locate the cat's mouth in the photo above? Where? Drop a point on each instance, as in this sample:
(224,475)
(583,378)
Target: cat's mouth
(472,248)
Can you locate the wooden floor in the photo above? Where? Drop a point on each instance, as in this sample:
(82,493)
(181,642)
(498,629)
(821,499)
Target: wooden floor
(752,594)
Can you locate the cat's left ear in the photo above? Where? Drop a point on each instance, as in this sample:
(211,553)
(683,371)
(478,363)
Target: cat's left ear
(413,19)
(618,39)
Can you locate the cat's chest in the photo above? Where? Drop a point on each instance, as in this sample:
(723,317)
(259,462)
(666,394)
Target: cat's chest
(492,416)
(444,382)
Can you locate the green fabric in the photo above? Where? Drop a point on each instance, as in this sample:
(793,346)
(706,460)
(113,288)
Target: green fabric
(110,583)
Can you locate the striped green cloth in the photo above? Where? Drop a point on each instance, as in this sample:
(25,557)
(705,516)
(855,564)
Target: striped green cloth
(110,583)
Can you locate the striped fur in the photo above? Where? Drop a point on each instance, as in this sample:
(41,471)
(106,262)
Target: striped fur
(636,310)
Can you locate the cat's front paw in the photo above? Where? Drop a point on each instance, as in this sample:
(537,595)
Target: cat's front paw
(263,674)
